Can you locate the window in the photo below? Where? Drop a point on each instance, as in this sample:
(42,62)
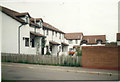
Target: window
(99,41)
(44,31)
(33,42)
(60,36)
(47,32)
(53,33)
(26,19)
(56,34)
(76,41)
(41,24)
(26,42)
(84,41)
(70,41)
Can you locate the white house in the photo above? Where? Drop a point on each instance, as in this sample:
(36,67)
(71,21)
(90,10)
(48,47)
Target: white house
(23,34)
(118,38)
(74,40)
(93,40)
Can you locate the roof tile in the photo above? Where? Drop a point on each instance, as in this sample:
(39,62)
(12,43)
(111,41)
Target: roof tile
(92,39)
(73,36)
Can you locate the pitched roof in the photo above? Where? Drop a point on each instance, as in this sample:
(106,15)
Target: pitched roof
(54,43)
(16,15)
(11,13)
(34,25)
(75,46)
(22,14)
(118,36)
(65,44)
(48,26)
(37,19)
(73,36)
(37,34)
(92,39)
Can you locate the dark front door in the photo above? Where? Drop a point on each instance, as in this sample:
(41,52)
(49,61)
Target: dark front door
(43,45)
(42,51)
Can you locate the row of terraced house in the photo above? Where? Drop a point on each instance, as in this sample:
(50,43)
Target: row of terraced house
(23,34)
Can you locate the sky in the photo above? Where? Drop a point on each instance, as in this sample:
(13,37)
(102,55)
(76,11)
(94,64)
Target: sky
(92,17)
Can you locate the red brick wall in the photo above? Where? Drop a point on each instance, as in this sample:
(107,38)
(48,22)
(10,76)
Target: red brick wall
(104,57)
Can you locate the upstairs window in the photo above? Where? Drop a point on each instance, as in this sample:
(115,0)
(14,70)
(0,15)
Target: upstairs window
(26,19)
(70,41)
(47,32)
(41,25)
(27,42)
(76,41)
(44,31)
(99,41)
(60,36)
(84,41)
(56,34)
(53,33)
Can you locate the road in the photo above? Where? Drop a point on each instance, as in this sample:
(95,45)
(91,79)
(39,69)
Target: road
(17,71)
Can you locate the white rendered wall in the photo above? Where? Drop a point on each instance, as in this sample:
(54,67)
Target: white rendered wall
(25,32)
(73,43)
(0,29)
(9,34)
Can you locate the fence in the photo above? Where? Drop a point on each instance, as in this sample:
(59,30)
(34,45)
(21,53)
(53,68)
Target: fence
(43,59)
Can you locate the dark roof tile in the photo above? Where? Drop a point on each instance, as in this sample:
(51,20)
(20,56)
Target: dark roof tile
(48,26)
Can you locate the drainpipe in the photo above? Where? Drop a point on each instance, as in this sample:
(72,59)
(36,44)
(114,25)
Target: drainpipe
(19,37)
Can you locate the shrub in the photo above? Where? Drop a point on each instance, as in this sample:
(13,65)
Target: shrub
(78,52)
(48,53)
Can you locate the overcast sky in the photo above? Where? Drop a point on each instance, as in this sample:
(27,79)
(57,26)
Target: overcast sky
(87,16)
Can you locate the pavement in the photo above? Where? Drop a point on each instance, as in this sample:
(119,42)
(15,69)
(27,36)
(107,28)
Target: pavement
(63,69)
(67,69)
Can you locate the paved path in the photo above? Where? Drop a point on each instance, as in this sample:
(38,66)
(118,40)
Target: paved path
(17,71)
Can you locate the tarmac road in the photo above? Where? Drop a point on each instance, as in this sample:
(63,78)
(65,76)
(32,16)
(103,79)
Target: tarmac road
(17,71)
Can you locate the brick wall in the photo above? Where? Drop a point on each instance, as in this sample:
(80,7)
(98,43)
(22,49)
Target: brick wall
(103,57)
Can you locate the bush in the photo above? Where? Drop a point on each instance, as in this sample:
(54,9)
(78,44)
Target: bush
(48,53)
(111,43)
(79,52)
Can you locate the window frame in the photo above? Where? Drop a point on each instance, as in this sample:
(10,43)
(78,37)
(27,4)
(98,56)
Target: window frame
(60,36)
(47,32)
(56,34)
(70,42)
(76,41)
(27,43)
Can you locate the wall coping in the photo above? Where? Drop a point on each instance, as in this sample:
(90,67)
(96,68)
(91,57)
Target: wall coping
(106,46)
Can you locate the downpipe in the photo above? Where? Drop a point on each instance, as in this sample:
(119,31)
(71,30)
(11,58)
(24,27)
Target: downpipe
(19,38)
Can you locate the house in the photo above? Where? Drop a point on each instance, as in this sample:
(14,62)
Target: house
(23,34)
(74,40)
(93,40)
(118,38)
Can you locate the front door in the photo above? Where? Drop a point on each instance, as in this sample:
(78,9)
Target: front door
(42,46)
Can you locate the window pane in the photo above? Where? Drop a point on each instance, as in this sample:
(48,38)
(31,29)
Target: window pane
(26,41)
(70,41)
(76,41)
(33,44)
